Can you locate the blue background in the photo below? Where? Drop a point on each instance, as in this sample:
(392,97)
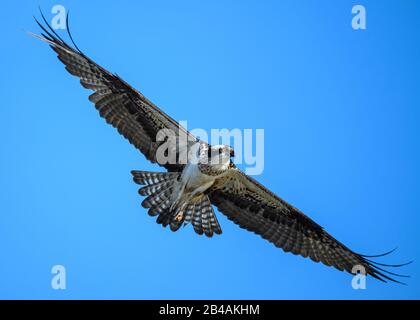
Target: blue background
(340,109)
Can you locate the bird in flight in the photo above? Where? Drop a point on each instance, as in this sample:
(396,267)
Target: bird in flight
(188,190)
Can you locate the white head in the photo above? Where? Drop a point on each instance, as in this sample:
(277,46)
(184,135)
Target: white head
(220,155)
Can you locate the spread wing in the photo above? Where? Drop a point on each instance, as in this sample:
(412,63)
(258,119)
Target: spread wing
(255,208)
(125,108)
(241,198)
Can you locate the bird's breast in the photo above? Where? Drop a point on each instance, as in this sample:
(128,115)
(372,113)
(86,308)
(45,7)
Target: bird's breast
(195,180)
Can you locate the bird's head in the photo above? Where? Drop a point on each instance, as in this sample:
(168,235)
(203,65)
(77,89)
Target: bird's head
(220,154)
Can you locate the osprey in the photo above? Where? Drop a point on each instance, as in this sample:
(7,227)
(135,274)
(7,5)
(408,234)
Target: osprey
(187,192)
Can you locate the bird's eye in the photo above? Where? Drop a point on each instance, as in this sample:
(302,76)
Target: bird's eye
(220,150)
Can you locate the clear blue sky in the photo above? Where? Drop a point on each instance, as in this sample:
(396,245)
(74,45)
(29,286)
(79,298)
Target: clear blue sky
(340,109)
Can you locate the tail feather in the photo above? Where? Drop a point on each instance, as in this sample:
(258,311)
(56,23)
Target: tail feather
(189,212)
(165,218)
(196,218)
(154,188)
(213,223)
(158,188)
(148,178)
(156,199)
(203,218)
(215,226)
(161,209)
(205,212)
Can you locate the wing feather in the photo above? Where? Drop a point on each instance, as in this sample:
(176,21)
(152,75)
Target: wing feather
(123,107)
(255,208)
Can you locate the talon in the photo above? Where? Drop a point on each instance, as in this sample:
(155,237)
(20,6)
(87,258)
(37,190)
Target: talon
(179,216)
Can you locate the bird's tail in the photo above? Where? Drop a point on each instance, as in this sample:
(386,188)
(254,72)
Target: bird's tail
(158,188)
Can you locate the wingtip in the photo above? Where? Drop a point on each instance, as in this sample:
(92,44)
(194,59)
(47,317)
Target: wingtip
(379,255)
(382,274)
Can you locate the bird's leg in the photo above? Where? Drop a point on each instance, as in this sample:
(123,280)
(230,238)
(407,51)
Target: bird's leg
(179,215)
